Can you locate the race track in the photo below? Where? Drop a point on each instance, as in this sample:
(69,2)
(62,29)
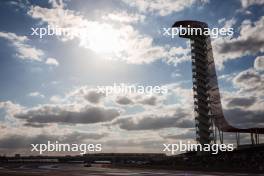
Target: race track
(80,170)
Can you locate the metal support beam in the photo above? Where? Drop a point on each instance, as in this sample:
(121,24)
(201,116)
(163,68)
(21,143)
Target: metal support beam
(221,136)
(238,138)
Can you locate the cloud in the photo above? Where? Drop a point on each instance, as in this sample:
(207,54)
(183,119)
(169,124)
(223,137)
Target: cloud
(52,61)
(124,17)
(16,141)
(250,76)
(247,3)
(21,141)
(243,107)
(177,55)
(140,99)
(250,81)
(241,101)
(24,50)
(93,96)
(239,46)
(56,99)
(189,134)
(67,115)
(152,100)
(17,5)
(162,7)
(243,118)
(124,101)
(112,41)
(80,136)
(183,96)
(87,93)
(249,42)
(155,121)
(11,108)
(36,94)
(259,63)
(35,125)
(221,20)
(135,145)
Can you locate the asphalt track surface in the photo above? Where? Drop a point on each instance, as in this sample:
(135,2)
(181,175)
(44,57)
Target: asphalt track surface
(80,170)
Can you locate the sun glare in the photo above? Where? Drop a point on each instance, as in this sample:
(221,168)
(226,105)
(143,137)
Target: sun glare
(102,38)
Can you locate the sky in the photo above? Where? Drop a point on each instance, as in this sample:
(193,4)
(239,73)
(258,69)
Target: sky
(48,85)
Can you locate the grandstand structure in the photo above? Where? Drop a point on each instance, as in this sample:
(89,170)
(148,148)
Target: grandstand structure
(209,118)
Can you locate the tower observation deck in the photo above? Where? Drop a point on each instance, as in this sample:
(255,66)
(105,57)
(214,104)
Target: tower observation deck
(209,117)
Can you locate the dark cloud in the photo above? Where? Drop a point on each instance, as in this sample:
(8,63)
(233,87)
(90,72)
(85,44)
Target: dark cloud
(152,101)
(143,100)
(242,118)
(48,114)
(247,75)
(250,81)
(35,125)
(94,96)
(124,101)
(155,122)
(250,46)
(23,141)
(81,136)
(241,101)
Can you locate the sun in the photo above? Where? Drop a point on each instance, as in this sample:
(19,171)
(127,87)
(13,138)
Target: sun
(102,38)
